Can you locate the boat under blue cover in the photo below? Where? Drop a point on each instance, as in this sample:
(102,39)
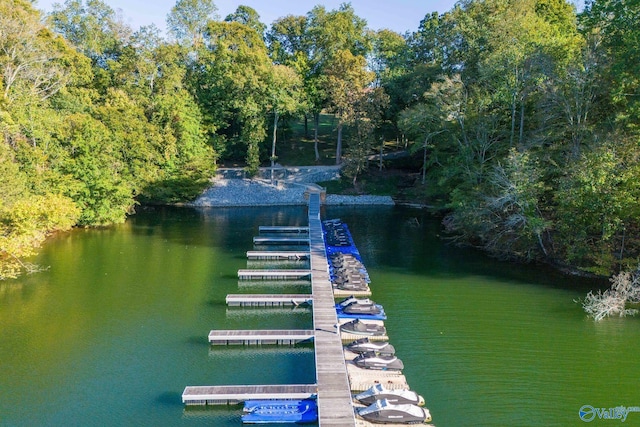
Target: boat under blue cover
(379,316)
(280,411)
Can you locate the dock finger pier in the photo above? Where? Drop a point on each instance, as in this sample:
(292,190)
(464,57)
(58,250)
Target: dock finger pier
(359,380)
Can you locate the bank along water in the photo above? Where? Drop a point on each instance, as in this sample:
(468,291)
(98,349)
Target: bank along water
(112,332)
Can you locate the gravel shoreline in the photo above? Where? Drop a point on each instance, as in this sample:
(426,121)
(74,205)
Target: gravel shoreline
(259,192)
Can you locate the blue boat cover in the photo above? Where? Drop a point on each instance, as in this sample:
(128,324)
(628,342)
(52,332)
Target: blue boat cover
(378,316)
(280,411)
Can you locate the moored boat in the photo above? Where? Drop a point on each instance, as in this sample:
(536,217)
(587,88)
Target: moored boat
(358,327)
(280,411)
(351,308)
(383,412)
(395,397)
(364,345)
(372,360)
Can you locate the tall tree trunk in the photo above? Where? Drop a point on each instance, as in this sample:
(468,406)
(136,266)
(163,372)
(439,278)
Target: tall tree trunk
(316,123)
(380,165)
(273,144)
(513,120)
(521,123)
(513,111)
(306,126)
(339,144)
(424,163)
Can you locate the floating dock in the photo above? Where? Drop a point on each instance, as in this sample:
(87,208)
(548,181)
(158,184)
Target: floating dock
(225,395)
(362,379)
(273,274)
(340,293)
(280,240)
(282,229)
(334,393)
(278,255)
(267,300)
(258,337)
(347,338)
(333,390)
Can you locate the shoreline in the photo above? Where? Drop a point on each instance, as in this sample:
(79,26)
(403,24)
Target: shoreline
(243,192)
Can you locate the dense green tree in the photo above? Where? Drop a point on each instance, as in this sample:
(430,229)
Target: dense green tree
(288,42)
(598,206)
(92,27)
(187,22)
(615,22)
(24,226)
(284,97)
(330,35)
(88,131)
(31,59)
(388,57)
(421,123)
(507,221)
(366,125)
(526,122)
(346,81)
(232,88)
(248,16)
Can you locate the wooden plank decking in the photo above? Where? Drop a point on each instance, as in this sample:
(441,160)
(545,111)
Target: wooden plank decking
(290,274)
(334,393)
(280,240)
(278,255)
(212,395)
(249,337)
(332,390)
(267,300)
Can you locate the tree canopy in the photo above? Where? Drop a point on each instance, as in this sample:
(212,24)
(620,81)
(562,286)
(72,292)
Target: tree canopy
(522,116)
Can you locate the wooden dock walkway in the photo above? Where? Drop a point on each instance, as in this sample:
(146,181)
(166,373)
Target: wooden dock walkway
(257,337)
(282,229)
(280,240)
(224,395)
(273,274)
(334,393)
(278,255)
(267,300)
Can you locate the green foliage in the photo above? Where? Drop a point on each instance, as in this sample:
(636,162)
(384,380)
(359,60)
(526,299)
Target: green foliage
(247,16)
(525,117)
(188,20)
(92,28)
(346,83)
(508,221)
(87,129)
(367,117)
(598,203)
(100,182)
(24,225)
(231,87)
(614,23)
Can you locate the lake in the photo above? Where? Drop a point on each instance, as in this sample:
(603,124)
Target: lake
(116,327)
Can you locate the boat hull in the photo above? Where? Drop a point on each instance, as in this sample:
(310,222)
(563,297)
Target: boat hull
(280,411)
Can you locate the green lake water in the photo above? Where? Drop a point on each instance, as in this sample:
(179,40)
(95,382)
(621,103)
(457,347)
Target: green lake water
(117,326)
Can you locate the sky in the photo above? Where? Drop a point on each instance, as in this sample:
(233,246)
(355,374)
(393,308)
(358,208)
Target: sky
(396,15)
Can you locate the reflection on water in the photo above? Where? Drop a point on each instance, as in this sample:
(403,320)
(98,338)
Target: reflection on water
(277,264)
(259,352)
(303,310)
(118,325)
(281,285)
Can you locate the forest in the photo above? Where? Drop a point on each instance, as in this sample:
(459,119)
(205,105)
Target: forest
(523,116)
